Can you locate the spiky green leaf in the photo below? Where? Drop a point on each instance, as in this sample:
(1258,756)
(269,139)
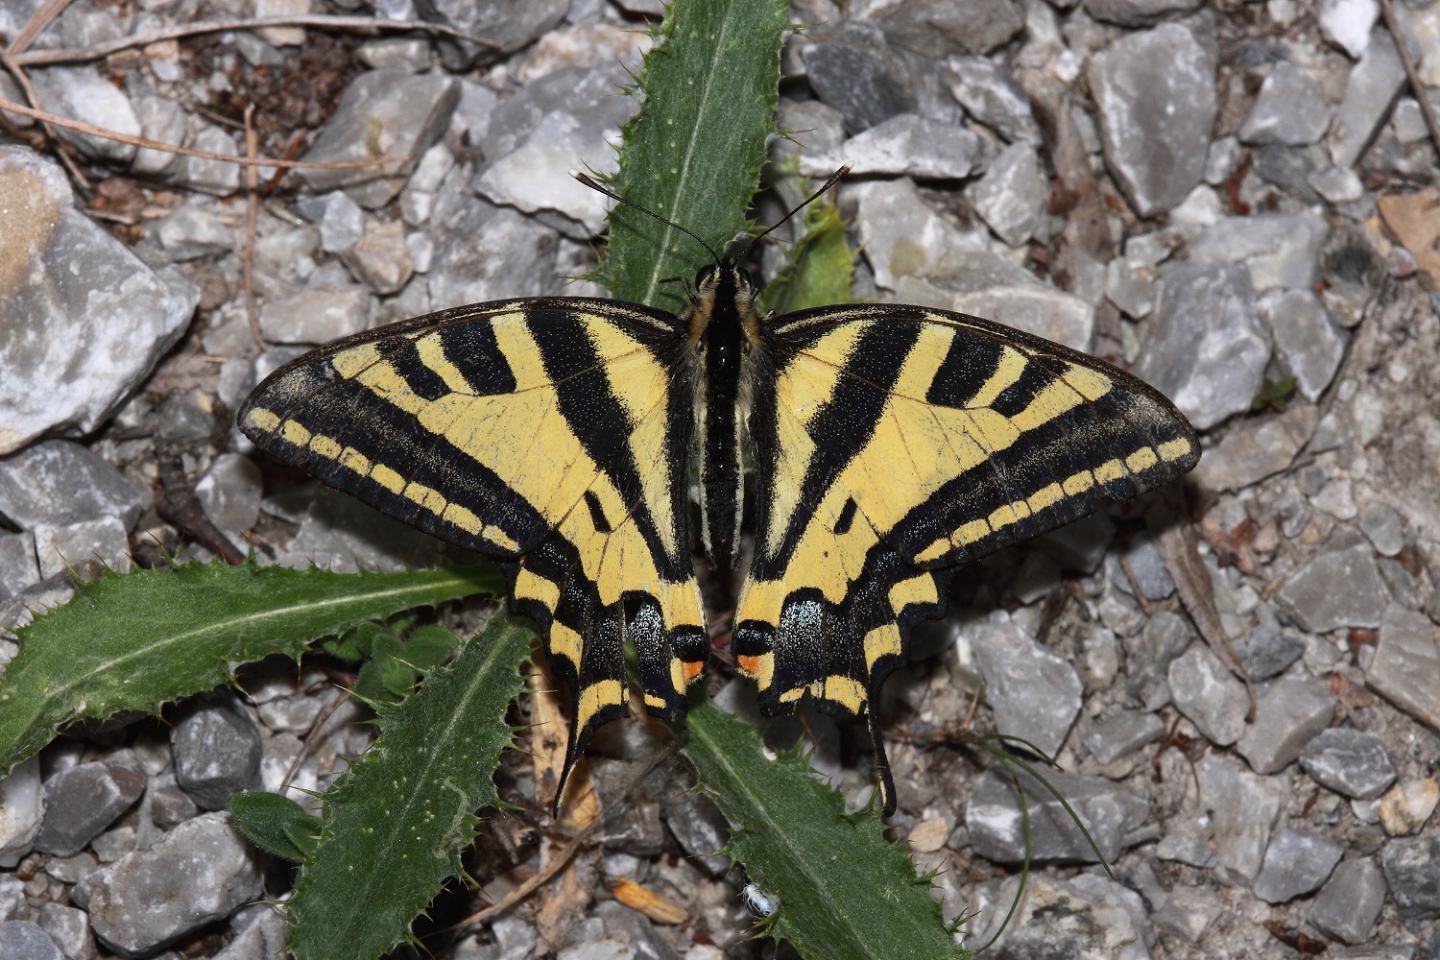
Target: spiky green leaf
(1273,395)
(396,823)
(818,267)
(135,641)
(844,891)
(694,150)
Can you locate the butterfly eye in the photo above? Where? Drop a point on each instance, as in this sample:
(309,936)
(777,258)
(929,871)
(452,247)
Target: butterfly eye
(704,274)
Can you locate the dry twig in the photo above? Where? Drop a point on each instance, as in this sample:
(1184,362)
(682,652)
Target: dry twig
(252,215)
(1055,602)
(46,121)
(1387,9)
(43,16)
(179,505)
(567,853)
(1135,588)
(10,106)
(356,24)
(311,735)
(1179,548)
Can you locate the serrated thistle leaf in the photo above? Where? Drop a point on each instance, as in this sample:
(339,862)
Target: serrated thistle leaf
(694,150)
(136,641)
(275,824)
(396,823)
(818,267)
(844,891)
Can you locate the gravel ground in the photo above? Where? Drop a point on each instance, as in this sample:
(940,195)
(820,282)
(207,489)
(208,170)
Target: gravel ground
(1236,200)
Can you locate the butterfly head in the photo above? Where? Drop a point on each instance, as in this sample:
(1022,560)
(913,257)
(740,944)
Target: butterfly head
(723,306)
(723,282)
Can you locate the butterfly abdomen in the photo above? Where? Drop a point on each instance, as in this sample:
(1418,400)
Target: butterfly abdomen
(718,315)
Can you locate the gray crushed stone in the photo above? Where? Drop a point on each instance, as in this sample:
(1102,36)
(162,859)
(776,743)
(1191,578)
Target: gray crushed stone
(1205,193)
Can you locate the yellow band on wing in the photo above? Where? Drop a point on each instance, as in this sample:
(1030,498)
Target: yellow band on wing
(1137,461)
(594,698)
(566,643)
(262,419)
(883,641)
(531,586)
(915,590)
(845,691)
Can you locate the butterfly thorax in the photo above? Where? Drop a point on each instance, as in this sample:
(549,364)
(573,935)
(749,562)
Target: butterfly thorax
(723,327)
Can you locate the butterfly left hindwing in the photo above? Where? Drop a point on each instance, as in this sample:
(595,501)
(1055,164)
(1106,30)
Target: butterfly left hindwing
(892,441)
(551,434)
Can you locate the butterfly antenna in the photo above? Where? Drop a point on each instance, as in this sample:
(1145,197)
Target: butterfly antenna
(598,187)
(834,179)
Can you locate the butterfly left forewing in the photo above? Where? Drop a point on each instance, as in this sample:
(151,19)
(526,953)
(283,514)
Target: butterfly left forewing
(893,441)
(549,433)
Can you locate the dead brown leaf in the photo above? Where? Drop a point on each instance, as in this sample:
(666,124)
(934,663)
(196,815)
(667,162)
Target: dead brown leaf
(548,736)
(1179,548)
(656,906)
(1232,547)
(1414,218)
(1352,696)
(568,896)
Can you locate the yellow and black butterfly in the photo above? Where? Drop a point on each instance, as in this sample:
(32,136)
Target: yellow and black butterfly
(556,435)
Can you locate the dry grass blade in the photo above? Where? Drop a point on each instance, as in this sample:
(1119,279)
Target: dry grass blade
(43,16)
(46,120)
(570,893)
(549,733)
(311,737)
